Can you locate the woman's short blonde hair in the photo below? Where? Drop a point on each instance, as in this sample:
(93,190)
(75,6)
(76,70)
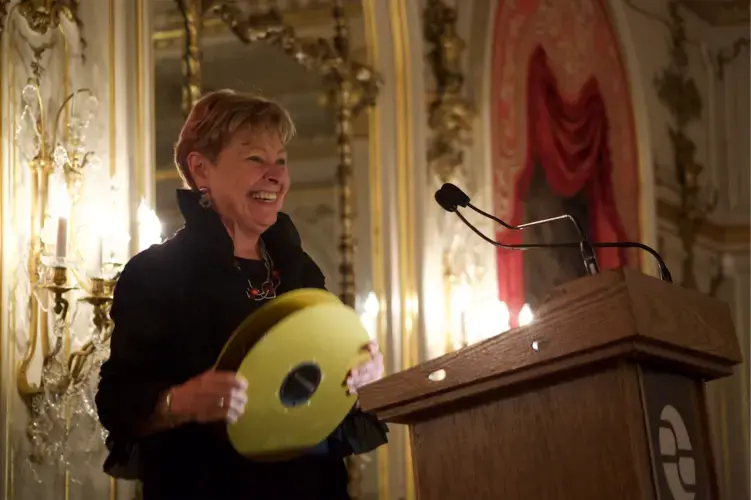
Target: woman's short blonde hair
(215,119)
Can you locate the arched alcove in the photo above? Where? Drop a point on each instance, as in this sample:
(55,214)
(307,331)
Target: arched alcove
(554,65)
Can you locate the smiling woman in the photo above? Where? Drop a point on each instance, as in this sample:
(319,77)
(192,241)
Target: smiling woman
(176,305)
(307,57)
(232,150)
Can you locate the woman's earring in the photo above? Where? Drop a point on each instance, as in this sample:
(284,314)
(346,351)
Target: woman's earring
(205,200)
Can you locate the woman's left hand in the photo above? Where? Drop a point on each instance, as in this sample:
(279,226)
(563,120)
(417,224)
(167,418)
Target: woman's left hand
(368,372)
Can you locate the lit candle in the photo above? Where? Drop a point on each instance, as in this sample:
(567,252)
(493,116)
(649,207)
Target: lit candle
(460,301)
(61,248)
(465,340)
(99,257)
(59,208)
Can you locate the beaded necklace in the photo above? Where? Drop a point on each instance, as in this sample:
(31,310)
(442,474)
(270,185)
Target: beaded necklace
(267,290)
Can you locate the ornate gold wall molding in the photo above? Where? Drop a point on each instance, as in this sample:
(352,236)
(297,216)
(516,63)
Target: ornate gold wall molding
(450,119)
(144,192)
(3,14)
(720,13)
(6,346)
(678,92)
(300,17)
(44,16)
(112,55)
(377,253)
(407,186)
(719,234)
(192,13)
(729,54)
(450,115)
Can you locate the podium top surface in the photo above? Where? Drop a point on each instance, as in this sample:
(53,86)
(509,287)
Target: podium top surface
(615,314)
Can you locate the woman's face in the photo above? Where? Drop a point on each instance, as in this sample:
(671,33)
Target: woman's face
(248,181)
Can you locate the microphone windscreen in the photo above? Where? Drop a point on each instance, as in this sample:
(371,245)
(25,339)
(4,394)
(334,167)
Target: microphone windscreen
(450,197)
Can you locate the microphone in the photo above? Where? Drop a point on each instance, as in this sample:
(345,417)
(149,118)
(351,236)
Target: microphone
(451,197)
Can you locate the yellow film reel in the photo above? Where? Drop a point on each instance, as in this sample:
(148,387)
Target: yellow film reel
(295,352)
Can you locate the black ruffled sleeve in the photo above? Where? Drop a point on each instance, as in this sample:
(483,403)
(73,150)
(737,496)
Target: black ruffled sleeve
(359,433)
(134,376)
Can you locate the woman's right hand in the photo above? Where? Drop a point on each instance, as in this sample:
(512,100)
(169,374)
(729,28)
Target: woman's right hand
(210,397)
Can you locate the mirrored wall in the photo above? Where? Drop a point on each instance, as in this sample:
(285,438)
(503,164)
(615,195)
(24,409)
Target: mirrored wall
(226,62)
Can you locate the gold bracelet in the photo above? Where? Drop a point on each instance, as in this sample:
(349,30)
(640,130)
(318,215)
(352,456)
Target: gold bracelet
(168,409)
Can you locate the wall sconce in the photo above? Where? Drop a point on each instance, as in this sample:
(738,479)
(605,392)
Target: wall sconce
(64,246)
(73,263)
(56,155)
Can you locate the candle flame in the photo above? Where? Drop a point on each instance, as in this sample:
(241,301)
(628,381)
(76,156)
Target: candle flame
(525,315)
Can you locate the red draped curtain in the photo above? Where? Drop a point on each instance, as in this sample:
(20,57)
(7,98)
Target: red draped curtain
(569,140)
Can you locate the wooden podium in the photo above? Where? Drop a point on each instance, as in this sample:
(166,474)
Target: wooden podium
(601,398)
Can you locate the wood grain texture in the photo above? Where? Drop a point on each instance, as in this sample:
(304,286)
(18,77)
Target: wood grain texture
(683,318)
(582,438)
(620,313)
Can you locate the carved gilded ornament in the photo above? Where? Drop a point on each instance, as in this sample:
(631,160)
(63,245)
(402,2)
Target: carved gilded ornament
(723,13)
(678,92)
(3,14)
(728,54)
(192,13)
(450,115)
(41,16)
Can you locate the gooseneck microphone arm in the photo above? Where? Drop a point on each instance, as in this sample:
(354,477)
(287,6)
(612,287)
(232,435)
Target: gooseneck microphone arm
(585,247)
(450,197)
(533,223)
(663,269)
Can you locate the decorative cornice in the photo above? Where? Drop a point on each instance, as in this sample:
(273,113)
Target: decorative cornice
(721,234)
(4,4)
(42,17)
(726,55)
(678,91)
(450,115)
(720,12)
(171,32)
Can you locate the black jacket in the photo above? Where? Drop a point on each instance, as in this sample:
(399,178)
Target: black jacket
(175,306)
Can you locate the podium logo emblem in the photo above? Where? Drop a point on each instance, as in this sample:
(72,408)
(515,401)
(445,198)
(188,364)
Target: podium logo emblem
(677,454)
